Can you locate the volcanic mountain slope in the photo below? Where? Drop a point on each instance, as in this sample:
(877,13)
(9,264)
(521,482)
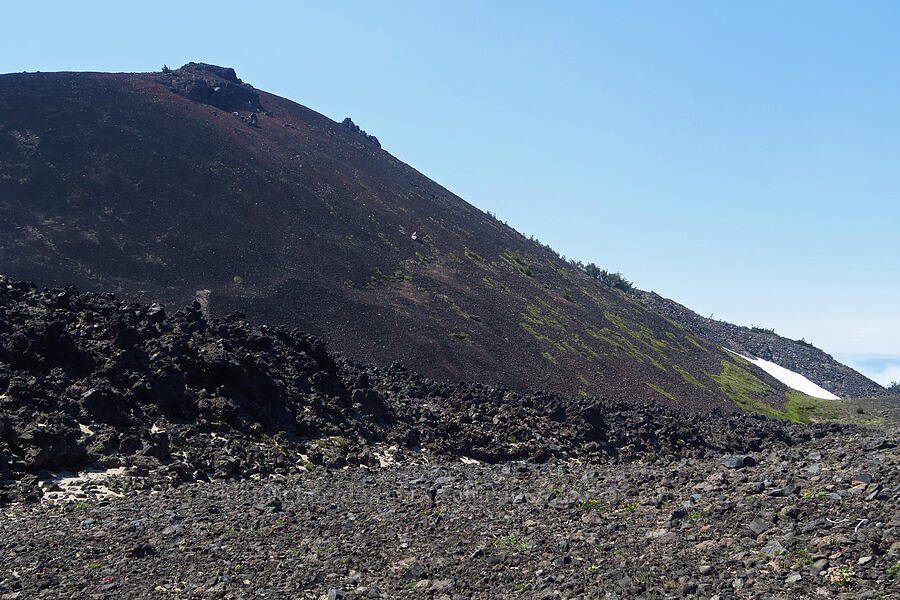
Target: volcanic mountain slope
(798,356)
(189,183)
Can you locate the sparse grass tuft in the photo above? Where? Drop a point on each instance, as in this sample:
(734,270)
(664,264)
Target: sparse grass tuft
(661,391)
(472,255)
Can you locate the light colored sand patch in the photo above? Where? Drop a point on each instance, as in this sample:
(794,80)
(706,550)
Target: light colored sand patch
(386,458)
(79,487)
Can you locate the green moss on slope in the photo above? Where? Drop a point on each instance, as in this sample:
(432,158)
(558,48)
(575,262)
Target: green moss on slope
(661,391)
(744,389)
(688,377)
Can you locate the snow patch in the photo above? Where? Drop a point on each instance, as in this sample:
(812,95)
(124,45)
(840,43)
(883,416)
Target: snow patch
(789,378)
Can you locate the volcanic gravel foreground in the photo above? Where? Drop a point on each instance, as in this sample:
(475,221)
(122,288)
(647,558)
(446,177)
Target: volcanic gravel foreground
(146,454)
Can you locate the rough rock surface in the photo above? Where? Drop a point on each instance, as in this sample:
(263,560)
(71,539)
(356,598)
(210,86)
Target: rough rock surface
(803,358)
(247,462)
(88,380)
(349,124)
(798,524)
(213,85)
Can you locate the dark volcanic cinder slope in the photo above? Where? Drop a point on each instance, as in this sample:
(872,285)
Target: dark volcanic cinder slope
(166,186)
(803,358)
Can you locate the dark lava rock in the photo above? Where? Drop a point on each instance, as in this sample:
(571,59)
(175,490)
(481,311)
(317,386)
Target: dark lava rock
(184,398)
(349,124)
(739,461)
(213,85)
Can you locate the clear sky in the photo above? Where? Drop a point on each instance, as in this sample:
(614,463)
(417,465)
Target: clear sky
(740,158)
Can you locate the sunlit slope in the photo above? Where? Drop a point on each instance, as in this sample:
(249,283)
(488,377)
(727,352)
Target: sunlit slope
(115,182)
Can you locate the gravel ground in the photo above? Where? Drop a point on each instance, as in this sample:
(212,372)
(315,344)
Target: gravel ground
(218,459)
(817,520)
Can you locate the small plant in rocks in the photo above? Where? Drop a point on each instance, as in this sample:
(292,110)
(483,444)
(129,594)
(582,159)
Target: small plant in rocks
(512,544)
(840,575)
(893,569)
(800,558)
(589,505)
(643,576)
(629,507)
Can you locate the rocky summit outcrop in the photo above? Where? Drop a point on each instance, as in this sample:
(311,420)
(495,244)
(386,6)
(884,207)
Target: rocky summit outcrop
(87,380)
(798,356)
(213,85)
(349,124)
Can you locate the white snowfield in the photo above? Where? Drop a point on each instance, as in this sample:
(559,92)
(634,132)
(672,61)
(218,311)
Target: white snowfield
(789,378)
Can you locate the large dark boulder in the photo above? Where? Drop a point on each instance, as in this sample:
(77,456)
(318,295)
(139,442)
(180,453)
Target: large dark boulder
(213,85)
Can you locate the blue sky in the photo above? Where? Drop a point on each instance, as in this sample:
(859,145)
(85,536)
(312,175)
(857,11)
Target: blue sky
(740,158)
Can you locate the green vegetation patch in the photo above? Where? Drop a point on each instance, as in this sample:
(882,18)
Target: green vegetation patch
(540,336)
(382,278)
(688,377)
(516,261)
(661,391)
(802,408)
(697,344)
(472,255)
(745,389)
(807,409)
(456,308)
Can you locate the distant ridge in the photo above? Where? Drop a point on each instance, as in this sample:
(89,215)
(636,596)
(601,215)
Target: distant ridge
(800,357)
